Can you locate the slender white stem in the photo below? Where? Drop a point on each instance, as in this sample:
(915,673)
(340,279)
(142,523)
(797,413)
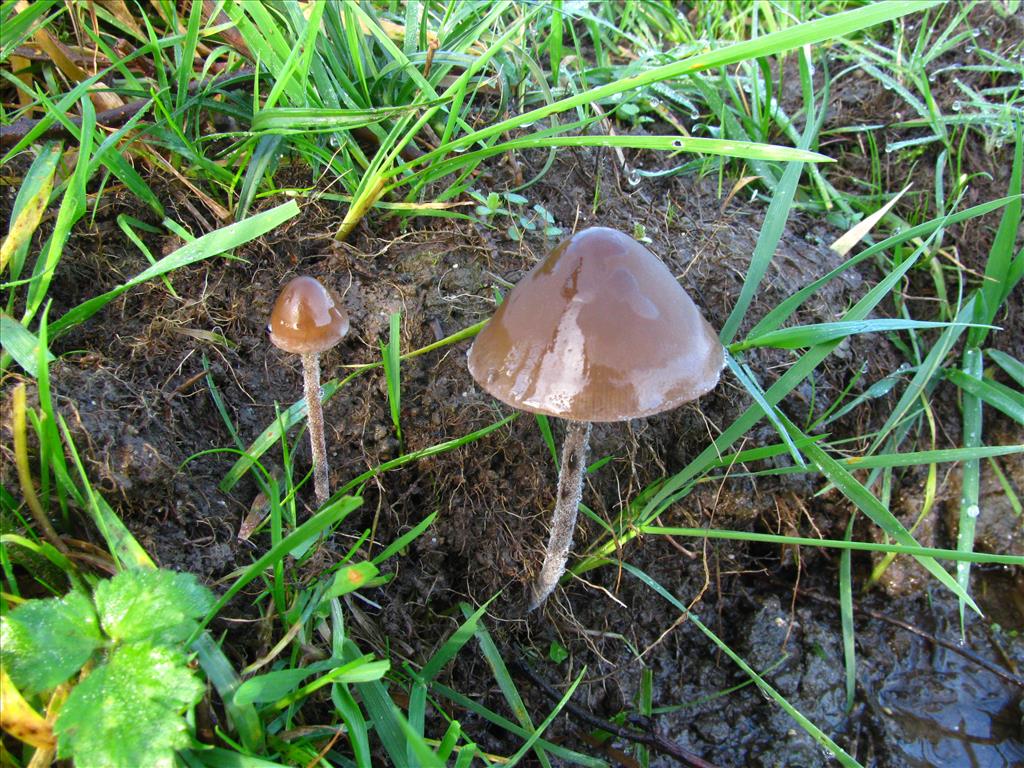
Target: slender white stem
(311,384)
(563,522)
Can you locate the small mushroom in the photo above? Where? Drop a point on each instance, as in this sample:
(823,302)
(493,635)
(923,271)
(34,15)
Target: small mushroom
(598,331)
(308,319)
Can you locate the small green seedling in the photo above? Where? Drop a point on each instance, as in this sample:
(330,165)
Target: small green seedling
(129,635)
(495,205)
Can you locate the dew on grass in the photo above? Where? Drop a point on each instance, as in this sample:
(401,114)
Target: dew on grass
(973,511)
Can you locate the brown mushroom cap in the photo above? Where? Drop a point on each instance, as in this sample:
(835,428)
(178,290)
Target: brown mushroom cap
(598,331)
(307,318)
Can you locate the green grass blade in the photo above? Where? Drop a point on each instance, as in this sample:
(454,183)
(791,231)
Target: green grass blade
(809,33)
(225,679)
(998,283)
(506,684)
(777,316)
(999,396)
(470,705)
(328,515)
(533,737)
(840,544)
(875,461)
(19,23)
(217,757)
(973,365)
(812,730)
(453,644)
(123,547)
(1014,368)
(391,357)
(387,721)
(926,377)
(264,154)
(207,246)
(405,539)
(423,453)
(800,336)
(418,753)
(740,149)
(753,388)
(29,205)
(72,208)
(876,511)
(544,425)
(773,226)
(846,617)
(21,344)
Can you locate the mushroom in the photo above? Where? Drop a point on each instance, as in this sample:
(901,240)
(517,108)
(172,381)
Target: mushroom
(598,331)
(308,319)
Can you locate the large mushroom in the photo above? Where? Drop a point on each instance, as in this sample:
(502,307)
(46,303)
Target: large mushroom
(308,319)
(598,331)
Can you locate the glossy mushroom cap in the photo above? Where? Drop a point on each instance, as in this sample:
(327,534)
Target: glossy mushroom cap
(307,318)
(598,331)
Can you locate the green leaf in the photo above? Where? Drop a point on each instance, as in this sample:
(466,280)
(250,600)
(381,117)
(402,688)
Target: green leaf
(999,396)
(128,711)
(21,344)
(273,685)
(557,652)
(223,677)
(151,605)
(799,336)
(46,641)
(351,578)
(1013,367)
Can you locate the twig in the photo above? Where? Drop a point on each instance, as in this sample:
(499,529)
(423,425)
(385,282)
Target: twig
(655,741)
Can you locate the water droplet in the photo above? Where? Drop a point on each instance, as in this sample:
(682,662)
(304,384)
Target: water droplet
(973,511)
(634,178)
(956,105)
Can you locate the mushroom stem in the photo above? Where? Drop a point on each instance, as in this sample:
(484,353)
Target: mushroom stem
(563,522)
(311,385)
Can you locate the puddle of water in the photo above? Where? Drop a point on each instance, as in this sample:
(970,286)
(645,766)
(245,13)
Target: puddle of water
(939,709)
(959,717)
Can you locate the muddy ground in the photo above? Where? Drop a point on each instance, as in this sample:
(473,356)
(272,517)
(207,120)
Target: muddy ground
(129,382)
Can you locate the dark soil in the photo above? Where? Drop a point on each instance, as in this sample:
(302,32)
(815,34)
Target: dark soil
(130,383)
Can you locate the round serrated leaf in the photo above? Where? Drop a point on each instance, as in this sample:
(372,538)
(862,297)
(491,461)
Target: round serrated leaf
(128,711)
(46,641)
(147,604)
